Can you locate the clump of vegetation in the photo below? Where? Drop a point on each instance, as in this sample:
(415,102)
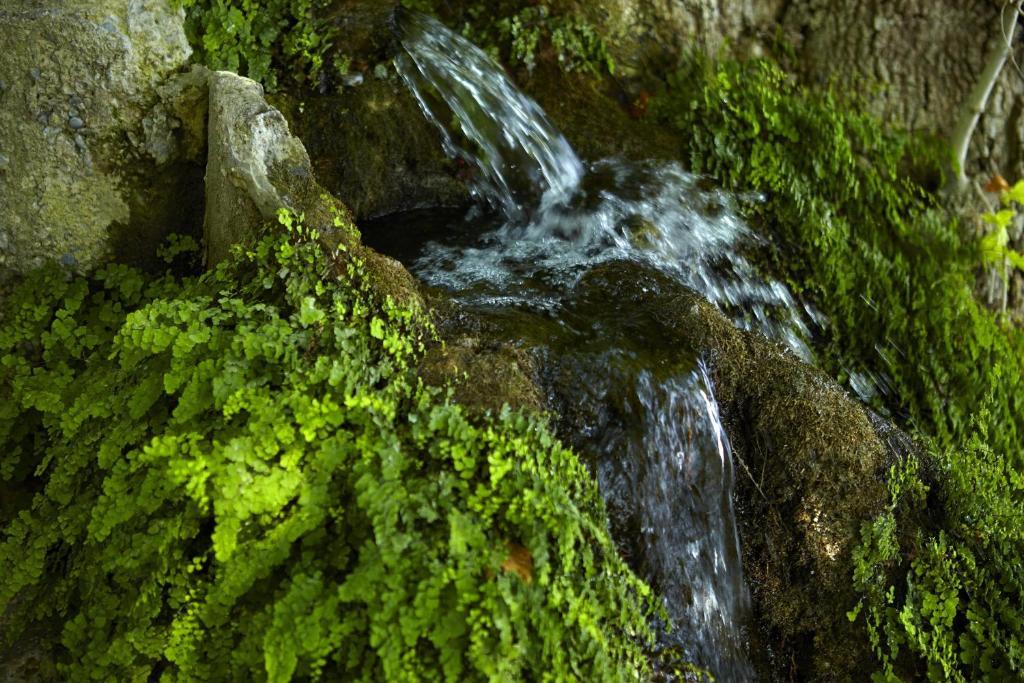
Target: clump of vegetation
(943,595)
(996,249)
(521,37)
(239,476)
(893,272)
(520,34)
(870,245)
(265,40)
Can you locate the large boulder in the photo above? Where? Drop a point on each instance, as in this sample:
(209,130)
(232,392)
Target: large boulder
(809,470)
(85,171)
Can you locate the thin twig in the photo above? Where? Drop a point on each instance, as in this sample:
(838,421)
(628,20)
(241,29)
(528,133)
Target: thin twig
(746,469)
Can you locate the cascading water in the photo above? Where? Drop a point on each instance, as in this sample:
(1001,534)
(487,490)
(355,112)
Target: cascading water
(560,218)
(668,463)
(690,549)
(519,153)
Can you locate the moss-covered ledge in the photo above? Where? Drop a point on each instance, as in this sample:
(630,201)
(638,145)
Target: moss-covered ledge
(810,468)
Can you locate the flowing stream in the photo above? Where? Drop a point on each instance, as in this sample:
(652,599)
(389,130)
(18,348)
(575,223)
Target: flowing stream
(545,228)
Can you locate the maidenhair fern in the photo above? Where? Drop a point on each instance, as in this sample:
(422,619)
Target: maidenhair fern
(239,477)
(265,40)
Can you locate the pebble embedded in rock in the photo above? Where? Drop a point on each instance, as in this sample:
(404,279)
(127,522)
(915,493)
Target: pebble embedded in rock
(35,73)
(381,71)
(353,79)
(80,143)
(76,122)
(4,162)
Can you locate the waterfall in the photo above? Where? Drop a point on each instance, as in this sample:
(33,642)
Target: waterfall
(552,220)
(519,154)
(562,218)
(691,547)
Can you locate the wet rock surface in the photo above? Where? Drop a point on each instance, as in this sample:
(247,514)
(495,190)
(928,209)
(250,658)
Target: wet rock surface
(809,465)
(372,148)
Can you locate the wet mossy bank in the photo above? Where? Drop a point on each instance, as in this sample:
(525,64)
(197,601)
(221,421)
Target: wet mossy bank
(810,462)
(812,466)
(858,231)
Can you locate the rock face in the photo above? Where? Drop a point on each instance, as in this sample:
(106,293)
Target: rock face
(649,34)
(80,162)
(374,149)
(913,61)
(369,142)
(253,166)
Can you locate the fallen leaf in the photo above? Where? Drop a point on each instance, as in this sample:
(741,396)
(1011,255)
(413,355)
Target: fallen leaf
(997,184)
(519,561)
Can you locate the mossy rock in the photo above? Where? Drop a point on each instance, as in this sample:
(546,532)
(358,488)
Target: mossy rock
(809,469)
(485,376)
(372,147)
(599,117)
(86,164)
(370,144)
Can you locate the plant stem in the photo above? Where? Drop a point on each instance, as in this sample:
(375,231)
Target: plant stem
(1001,50)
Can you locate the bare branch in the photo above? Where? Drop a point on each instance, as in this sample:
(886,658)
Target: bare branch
(1001,52)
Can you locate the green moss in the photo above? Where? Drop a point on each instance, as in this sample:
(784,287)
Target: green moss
(484,377)
(240,477)
(372,147)
(808,467)
(864,238)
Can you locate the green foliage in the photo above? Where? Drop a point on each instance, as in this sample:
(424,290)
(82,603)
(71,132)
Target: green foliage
(956,614)
(264,40)
(574,41)
(995,246)
(239,477)
(869,245)
(893,273)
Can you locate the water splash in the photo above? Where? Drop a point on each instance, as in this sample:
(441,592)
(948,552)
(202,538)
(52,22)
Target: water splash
(655,214)
(559,219)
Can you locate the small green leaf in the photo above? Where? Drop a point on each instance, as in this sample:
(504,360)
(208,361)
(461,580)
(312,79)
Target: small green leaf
(309,314)
(1002,219)
(377,328)
(1015,194)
